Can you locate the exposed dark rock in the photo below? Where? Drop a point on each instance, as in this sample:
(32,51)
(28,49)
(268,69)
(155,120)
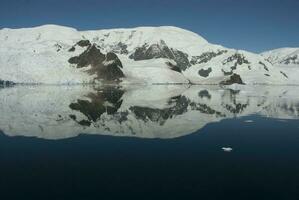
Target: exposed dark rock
(204,93)
(205,72)
(120,48)
(161,50)
(263,64)
(227,73)
(84,43)
(72,49)
(113,57)
(206,57)
(58,47)
(174,67)
(141,53)
(181,59)
(284,74)
(233,67)
(239,58)
(235,78)
(74,117)
(291,60)
(84,122)
(106,67)
(74,60)
(267,74)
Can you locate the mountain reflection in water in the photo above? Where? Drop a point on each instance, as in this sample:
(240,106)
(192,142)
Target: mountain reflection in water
(156,111)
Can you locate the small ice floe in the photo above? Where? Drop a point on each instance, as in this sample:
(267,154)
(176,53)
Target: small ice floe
(248,121)
(282,120)
(227,149)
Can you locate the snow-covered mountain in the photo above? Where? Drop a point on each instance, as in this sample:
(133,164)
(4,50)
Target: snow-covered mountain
(61,55)
(283,56)
(286,60)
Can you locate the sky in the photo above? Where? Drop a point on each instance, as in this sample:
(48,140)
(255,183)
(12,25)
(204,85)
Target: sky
(253,25)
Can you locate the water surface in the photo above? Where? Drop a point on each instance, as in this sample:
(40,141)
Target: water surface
(149,142)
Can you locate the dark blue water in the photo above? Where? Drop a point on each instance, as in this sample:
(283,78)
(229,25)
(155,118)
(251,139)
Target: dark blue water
(264,164)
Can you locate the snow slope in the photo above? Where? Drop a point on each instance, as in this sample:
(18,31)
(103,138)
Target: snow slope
(148,55)
(286,56)
(285,59)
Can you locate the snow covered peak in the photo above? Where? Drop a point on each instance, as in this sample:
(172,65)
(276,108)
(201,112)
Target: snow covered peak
(175,37)
(136,37)
(164,54)
(39,34)
(288,56)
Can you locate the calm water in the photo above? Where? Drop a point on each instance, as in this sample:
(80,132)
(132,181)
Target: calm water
(155,142)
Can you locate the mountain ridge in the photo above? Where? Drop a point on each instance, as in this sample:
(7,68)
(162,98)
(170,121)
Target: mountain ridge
(164,54)
(285,55)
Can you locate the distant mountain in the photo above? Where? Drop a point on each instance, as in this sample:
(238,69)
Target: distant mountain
(283,56)
(286,60)
(53,54)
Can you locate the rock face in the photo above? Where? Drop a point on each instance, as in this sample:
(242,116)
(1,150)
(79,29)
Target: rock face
(105,67)
(84,43)
(205,73)
(161,50)
(234,79)
(293,59)
(206,57)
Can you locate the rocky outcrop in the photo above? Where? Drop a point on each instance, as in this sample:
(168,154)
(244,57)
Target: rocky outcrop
(120,48)
(173,67)
(206,57)
(235,60)
(291,60)
(81,43)
(84,43)
(105,67)
(284,74)
(235,78)
(265,67)
(238,58)
(205,72)
(161,50)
